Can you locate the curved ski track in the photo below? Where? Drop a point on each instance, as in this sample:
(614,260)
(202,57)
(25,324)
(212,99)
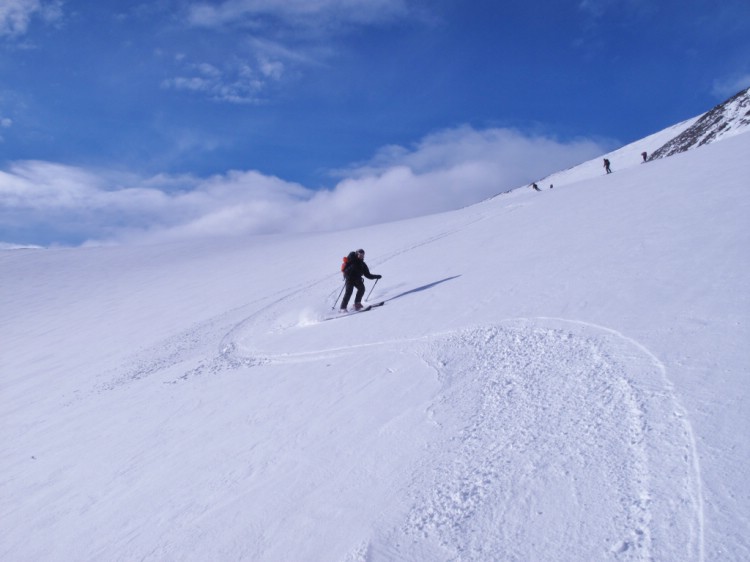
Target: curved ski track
(554,432)
(559,440)
(194,351)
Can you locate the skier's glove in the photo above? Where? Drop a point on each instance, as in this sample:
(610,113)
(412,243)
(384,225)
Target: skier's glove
(378,276)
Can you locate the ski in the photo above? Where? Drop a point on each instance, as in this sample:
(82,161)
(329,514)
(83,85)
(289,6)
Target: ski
(371,306)
(351,312)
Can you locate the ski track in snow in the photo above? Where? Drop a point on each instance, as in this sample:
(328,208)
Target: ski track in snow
(192,351)
(195,349)
(493,486)
(584,482)
(549,429)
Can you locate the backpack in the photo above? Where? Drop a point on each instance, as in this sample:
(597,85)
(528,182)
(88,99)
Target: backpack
(345,263)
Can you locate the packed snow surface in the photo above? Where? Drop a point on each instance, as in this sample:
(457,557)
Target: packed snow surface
(556,376)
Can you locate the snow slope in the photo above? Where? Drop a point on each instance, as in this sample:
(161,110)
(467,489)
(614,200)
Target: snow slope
(554,376)
(623,157)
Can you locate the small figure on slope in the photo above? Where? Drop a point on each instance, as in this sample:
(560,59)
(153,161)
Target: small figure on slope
(354,269)
(606,166)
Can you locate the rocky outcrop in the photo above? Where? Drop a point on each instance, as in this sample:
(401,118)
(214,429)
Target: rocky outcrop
(726,119)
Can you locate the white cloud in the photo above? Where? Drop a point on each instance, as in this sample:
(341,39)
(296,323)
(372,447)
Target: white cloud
(16,15)
(274,38)
(446,170)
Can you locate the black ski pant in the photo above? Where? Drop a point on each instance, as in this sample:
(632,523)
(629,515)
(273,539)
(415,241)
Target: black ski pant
(350,285)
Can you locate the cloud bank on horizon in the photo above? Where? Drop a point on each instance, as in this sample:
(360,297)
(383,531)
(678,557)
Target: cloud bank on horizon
(43,203)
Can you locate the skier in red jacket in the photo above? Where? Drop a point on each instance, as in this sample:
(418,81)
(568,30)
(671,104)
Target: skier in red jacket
(353,271)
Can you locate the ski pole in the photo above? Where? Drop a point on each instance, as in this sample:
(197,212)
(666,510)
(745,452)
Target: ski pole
(337,298)
(373,286)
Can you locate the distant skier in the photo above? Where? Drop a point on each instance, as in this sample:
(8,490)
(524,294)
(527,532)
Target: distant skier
(606,166)
(551,186)
(535,187)
(353,271)
(644,155)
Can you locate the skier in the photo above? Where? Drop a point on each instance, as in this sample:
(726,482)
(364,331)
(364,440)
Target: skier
(606,166)
(353,272)
(644,155)
(535,187)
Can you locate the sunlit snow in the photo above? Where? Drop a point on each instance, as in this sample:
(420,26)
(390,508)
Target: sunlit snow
(556,375)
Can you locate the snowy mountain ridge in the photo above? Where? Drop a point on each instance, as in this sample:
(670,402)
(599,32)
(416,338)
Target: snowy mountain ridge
(729,118)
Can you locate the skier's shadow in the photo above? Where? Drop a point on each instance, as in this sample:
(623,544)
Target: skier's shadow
(422,288)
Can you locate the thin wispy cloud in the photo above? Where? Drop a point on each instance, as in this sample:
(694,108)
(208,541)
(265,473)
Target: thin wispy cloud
(17,15)
(445,170)
(727,87)
(594,8)
(235,82)
(600,8)
(279,36)
(296,13)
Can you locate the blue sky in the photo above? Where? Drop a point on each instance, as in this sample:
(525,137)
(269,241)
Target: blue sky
(113,114)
